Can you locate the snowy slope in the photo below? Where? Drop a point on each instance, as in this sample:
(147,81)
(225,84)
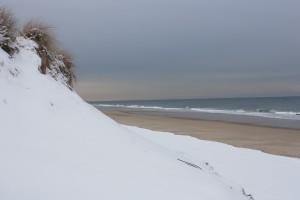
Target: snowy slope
(53,145)
(266,176)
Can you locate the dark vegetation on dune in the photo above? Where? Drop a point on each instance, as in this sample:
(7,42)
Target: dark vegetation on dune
(54,61)
(8,30)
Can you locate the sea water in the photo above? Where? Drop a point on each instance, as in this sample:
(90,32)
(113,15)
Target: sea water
(252,110)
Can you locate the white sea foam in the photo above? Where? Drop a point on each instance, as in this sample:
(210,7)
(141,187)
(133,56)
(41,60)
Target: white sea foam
(258,113)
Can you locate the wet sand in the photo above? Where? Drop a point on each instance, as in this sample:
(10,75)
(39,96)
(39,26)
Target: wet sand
(278,141)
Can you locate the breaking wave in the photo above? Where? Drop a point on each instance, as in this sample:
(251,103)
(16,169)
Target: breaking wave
(258,112)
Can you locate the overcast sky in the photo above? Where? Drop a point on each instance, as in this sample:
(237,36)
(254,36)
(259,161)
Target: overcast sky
(160,49)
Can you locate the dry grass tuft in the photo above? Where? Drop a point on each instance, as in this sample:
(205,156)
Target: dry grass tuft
(40,33)
(44,37)
(8,30)
(68,69)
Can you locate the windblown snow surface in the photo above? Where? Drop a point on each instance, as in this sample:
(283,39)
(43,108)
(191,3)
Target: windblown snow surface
(53,145)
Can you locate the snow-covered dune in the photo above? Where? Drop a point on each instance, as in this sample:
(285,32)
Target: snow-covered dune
(53,145)
(265,176)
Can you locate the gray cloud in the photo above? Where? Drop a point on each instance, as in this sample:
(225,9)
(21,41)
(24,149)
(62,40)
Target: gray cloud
(177,49)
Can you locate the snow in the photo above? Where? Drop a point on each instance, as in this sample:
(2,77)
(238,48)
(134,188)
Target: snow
(265,176)
(53,145)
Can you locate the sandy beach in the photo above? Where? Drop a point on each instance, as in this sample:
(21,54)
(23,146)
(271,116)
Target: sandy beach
(278,141)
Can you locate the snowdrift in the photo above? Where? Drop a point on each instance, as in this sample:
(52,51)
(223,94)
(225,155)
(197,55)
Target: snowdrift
(53,145)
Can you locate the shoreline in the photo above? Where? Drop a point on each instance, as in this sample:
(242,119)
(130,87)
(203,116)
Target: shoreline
(272,140)
(229,118)
(207,116)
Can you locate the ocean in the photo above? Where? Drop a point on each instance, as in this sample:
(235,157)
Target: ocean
(271,111)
